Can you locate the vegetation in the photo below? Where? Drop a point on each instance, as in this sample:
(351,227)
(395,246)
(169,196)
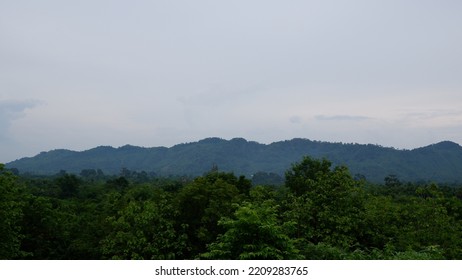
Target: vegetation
(319,212)
(440,162)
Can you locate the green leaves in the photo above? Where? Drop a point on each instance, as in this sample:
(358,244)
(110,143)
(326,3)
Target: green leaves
(254,232)
(144,229)
(202,204)
(303,176)
(323,213)
(12,202)
(327,204)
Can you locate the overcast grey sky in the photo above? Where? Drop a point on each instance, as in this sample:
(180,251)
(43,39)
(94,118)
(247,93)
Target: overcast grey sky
(78,74)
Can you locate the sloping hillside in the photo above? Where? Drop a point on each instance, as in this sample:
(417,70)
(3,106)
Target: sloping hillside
(441,162)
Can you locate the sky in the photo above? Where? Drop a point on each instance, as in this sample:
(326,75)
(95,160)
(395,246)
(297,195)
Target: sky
(80,74)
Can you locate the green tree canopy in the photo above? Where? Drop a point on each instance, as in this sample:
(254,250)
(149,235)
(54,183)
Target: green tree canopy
(253,233)
(144,228)
(303,176)
(327,204)
(12,202)
(202,204)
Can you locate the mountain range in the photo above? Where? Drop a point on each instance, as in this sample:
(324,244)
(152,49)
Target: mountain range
(441,162)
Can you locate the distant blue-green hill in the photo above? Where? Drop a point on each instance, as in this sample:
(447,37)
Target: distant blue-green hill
(441,162)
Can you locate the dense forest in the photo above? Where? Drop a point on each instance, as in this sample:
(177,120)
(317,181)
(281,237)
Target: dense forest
(439,162)
(319,211)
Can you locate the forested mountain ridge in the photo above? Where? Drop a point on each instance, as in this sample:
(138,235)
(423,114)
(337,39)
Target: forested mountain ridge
(441,162)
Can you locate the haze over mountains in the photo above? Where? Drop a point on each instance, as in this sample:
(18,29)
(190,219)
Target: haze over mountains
(441,162)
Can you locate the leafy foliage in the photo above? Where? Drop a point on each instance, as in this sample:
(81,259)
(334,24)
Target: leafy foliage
(12,202)
(320,212)
(202,204)
(253,233)
(144,228)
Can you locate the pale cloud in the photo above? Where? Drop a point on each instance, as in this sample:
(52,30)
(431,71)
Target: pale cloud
(433,119)
(11,110)
(341,118)
(164,72)
(296,119)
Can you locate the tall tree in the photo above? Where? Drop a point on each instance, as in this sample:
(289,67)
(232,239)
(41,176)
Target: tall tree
(253,233)
(328,204)
(202,204)
(303,176)
(144,228)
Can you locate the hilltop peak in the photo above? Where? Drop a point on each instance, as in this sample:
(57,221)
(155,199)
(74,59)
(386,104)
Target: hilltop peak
(447,144)
(443,145)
